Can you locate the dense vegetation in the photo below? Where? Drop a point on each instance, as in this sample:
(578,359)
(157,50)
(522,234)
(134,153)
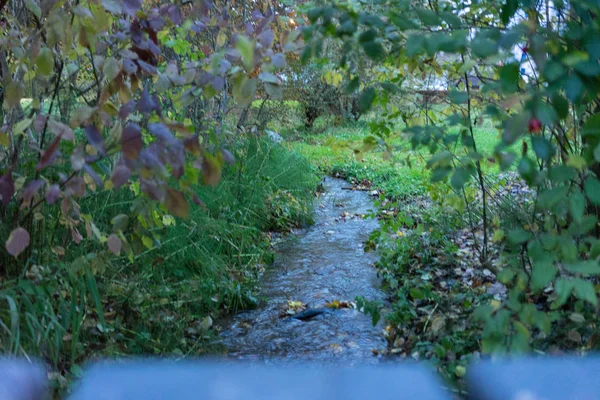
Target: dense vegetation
(134,164)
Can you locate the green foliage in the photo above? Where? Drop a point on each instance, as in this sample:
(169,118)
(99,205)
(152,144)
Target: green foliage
(545,123)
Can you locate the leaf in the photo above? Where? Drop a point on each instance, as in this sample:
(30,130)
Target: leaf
(132,6)
(577,318)
(366,100)
(147,241)
(95,138)
(13,93)
(20,126)
(161,132)
(114,244)
(228,157)
(268,77)
(592,190)
(131,141)
(509,8)
(48,155)
(7,187)
(574,87)
(120,175)
(52,194)
(246,48)
(591,127)
(34,7)
(416,293)
(483,47)
(577,206)
(266,38)
(542,147)
(18,240)
(585,268)
(509,77)
(274,91)
(563,289)
(402,22)
(61,129)
(374,50)
(146,103)
(243,90)
(111,69)
(176,203)
(427,17)
(458,97)
(278,60)
(45,61)
(31,190)
(460,177)
(585,291)
(211,170)
(542,274)
(519,236)
(112,6)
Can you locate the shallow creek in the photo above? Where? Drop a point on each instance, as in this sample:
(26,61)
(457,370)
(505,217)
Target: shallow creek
(323,263)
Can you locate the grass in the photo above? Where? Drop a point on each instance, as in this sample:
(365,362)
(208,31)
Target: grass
(165,301)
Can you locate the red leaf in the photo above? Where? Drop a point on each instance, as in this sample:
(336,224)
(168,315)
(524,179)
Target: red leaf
(49,155)
(120,175)
(18,240)
(52,194)
(7,187)
(114,244)
(131,141)
(95,138)
(177,204)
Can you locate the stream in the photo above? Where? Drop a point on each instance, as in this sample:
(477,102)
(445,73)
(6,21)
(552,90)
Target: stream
(323,263)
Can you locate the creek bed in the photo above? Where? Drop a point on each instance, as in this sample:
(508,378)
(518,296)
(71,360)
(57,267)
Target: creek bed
(323,263)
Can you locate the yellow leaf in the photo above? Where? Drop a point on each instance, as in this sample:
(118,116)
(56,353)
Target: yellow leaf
(21,126)
(147,242)
(4,140)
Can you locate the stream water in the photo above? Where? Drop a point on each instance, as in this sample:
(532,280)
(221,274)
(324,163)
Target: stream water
(323,263)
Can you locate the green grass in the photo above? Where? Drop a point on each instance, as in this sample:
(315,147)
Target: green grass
(163,302)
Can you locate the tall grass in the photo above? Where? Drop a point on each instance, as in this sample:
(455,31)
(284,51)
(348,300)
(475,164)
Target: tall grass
(87,304)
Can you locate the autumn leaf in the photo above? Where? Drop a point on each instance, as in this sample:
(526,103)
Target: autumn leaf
(131,141)
(49,155)
(177,204)
(18,240)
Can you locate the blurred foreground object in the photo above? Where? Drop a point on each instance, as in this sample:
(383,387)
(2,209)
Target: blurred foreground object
(21,380)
